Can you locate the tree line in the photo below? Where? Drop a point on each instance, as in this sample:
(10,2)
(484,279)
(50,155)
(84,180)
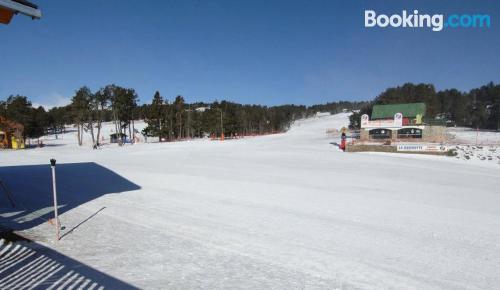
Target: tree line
(166,119)
(87,111)
(175,119)
(477,108)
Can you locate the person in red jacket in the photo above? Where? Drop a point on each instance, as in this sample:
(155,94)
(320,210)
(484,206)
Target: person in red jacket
(342,142)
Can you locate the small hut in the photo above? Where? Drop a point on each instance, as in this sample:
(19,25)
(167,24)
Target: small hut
(113,138)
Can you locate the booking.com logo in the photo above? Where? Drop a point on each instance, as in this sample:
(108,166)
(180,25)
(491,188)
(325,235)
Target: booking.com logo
(436,22)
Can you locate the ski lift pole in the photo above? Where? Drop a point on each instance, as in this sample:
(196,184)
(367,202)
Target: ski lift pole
(54,190)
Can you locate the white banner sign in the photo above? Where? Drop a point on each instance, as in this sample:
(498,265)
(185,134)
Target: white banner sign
(397,122)
(422,148)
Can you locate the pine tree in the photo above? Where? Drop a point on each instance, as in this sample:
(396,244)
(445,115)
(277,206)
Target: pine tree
(80,104)
(179,111)
(156,118)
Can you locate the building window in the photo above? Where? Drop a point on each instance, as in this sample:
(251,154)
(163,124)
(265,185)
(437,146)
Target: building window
(380,134)
(409,133)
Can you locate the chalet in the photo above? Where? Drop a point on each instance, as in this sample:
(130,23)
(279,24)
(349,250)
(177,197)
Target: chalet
(399,122)
(11,134)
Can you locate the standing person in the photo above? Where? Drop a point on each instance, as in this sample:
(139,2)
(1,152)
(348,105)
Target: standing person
(343,140)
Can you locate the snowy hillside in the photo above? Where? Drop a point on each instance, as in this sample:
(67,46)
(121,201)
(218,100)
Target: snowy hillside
(282,211)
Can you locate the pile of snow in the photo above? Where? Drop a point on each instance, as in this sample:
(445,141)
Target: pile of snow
(478,153)
(279,211)
(475,146)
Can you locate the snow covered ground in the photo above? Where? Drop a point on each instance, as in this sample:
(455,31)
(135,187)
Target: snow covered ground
(28,265)
(281,211)
(461,135)
(475,146)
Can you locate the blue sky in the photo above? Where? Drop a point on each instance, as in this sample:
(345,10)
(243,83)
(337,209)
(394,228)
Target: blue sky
(265,52)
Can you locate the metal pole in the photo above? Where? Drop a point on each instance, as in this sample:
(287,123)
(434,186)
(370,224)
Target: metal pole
(54,189)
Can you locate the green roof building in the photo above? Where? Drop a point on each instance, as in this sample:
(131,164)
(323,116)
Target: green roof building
(386,125)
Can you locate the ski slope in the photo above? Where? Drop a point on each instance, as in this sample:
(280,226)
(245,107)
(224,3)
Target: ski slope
(283,211)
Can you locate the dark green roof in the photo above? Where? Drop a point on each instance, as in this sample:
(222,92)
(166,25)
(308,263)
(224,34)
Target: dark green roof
(388,111)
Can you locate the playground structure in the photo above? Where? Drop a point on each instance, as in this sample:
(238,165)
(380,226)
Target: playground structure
(11,134)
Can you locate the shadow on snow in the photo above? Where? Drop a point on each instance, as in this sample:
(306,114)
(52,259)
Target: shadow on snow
(34,266)
(28,265)
(31,190)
